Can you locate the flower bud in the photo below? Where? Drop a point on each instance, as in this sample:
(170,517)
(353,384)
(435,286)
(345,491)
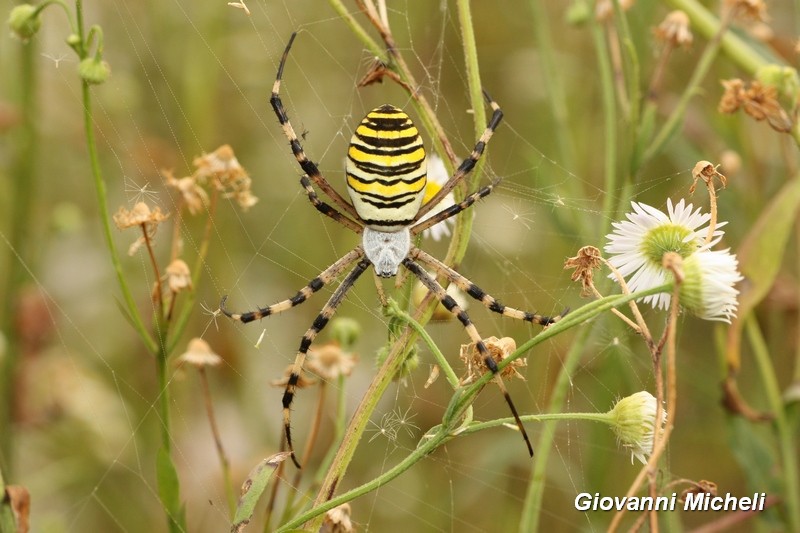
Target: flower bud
(345,331)
(94,71)
(24,21)
(635,422)
(784,79)
(73,40)
(708,287)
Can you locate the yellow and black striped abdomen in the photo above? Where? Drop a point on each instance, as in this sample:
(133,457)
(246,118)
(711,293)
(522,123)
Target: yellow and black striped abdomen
(386,169)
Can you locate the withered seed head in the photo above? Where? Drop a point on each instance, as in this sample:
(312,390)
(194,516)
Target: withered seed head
(674,30)
(585,263)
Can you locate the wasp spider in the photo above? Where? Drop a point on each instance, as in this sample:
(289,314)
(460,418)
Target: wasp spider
(386,177)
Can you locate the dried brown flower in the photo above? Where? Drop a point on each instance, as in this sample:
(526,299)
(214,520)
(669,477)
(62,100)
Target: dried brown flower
(141,214)
(604,9)
(585,263)
(223,171)
(759,101)
(707,172)
(337,520)
(199,354)
(329,361)
(749,10)
(377,70)
(178,276)
(733,96)
(499,349)
(674,30)
(192,193)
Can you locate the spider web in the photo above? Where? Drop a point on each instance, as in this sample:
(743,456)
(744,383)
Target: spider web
(89,397)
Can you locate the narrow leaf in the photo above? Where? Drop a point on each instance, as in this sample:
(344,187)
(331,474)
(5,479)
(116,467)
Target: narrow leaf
(760,258)
(253,487)
(169,490)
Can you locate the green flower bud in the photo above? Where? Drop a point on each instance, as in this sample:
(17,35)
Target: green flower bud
(345,331)
(24,21)
(73,40)
(408,366)
(94,70)
(784,79)
(708,288)
(634,423)
(578,13)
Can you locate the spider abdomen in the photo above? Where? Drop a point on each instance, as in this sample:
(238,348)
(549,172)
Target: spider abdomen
(386,169)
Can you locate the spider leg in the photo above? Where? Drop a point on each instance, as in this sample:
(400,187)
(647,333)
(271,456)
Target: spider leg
(451,305)
(469,163)
(319,323)
(297,149)
(325,277)
(476,292)
(453,210)
(326,209)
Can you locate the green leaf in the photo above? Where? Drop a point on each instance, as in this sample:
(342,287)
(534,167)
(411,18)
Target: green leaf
(169,490)
(253,488)
(124,310)
(755,456)
(760,258)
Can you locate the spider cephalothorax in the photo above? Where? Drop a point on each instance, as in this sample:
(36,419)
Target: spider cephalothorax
(386,177)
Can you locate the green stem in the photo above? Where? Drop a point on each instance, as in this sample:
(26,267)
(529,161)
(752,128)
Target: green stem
(531,510)
(359,31)
(470,49)
(359,421)
(158,349)
(64,6)
(675,119)
(707,25)
(338,431)
(163,398)
(788,448)
(463,226)
(395,311)
(102,203)
(609,122)
(489,424)
(21,221)
(430,443)
(553,86)
(169,486)
(318,510)
(633,73)
(7,522)
(579,316)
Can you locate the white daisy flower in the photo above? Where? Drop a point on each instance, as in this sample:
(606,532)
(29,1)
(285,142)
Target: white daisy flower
(634,423)
(437,177)
(637,245)
(708,285)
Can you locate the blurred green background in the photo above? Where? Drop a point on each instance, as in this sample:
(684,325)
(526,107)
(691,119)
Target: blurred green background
(190,76)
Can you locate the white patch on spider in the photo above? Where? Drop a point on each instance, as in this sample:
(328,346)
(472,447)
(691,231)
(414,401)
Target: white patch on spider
(386,250)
